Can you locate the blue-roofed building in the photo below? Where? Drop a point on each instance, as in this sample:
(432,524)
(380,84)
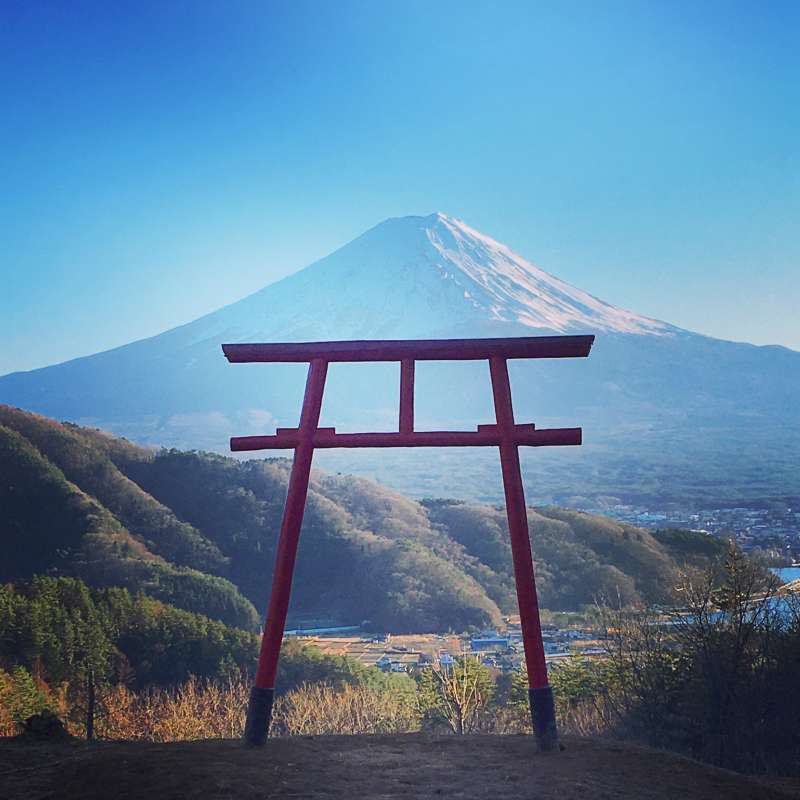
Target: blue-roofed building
(482,644)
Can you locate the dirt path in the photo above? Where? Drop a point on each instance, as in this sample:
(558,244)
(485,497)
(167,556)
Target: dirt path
(412,766)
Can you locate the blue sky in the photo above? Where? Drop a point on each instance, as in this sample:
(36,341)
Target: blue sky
(161,159)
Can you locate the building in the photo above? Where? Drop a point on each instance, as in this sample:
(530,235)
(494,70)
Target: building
(485,644)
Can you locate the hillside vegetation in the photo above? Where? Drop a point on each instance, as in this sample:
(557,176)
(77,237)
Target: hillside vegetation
(199,531)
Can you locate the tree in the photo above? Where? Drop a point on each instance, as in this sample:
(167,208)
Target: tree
(454,695)
(718,681)
(20,698)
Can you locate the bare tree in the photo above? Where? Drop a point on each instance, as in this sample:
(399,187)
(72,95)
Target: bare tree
(456,694)
(320,709)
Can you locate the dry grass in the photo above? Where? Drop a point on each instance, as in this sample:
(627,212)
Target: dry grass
(319,709)
(212,710)
(207,709)
(192,710)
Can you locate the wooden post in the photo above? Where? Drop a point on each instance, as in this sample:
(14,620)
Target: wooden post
(262,695)
(407,395)
(540,695)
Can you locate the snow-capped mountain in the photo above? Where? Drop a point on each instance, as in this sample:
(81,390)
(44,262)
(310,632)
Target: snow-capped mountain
(414,276)
(651,395)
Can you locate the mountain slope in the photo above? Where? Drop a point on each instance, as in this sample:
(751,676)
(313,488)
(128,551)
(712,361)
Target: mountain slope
(668,414)
(86,465)
(52,520)
(78,502)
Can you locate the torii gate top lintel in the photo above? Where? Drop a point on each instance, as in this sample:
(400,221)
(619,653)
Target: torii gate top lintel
(415,349)
(505,434)
(408,351)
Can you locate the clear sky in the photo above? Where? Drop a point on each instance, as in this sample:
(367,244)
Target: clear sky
(161,159)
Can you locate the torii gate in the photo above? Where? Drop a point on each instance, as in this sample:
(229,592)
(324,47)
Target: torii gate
(505,434)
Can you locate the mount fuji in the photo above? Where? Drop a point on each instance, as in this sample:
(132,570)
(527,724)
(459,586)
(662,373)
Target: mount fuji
(668,415)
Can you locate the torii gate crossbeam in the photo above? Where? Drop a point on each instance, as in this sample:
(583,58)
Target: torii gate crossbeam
(505,434)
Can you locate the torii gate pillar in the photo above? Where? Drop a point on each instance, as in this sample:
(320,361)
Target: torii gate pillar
(504,434)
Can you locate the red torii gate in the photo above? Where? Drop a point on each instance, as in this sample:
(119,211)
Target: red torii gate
(505,434)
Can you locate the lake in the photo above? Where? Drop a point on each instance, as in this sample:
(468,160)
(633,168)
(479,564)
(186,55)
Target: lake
(787,573)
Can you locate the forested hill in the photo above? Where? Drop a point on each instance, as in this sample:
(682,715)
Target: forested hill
(199,531)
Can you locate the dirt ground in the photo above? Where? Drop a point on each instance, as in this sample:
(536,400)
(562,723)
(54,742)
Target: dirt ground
(411,766)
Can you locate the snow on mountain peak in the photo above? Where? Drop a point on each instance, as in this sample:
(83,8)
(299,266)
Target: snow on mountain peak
(510,288)
(420,277)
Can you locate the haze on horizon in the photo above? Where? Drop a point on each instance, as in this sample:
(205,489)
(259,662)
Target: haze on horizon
(160,163)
